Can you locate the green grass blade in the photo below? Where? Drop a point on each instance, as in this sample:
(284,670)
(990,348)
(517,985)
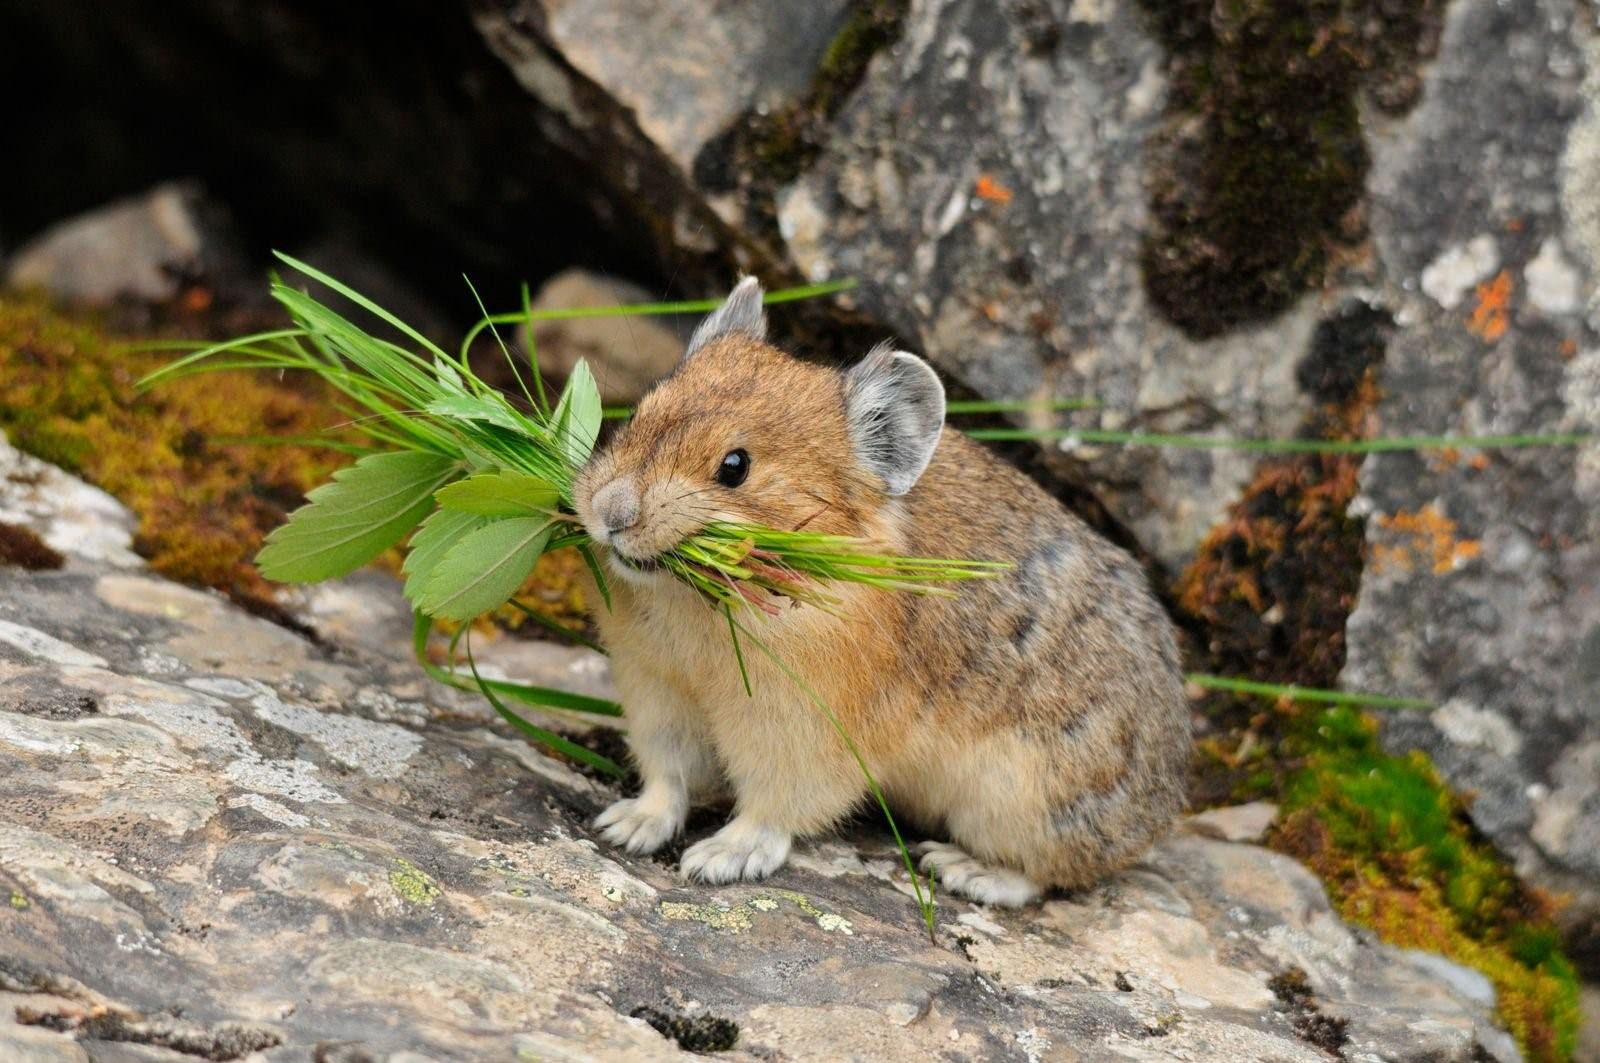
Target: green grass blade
(532,696)
(361,301)
(549,738)
(570,634)
(738,653)
(504,350)
(594,570)
(1281,446)
(924,902)
(532,347)
(1297,693)
(690,306)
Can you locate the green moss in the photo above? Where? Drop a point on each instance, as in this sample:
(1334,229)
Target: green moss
(203,504)
(1271,588)
(1400,855)
(1257,177)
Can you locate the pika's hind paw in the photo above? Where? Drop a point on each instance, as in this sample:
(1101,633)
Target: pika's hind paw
(639,826)
(737,851)
(961,873)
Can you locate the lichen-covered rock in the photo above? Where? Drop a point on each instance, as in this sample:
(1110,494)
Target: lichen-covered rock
(1482,587)
(221,839)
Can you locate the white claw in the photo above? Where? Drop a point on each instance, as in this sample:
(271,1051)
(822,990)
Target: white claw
(962,874)
(639,827)
(737,851)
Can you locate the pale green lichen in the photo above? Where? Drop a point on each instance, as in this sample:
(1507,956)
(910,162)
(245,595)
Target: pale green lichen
(738,918)
(19,902)
(716,916)
(414,885)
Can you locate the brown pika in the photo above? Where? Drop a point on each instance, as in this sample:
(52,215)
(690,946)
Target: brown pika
(1037,719)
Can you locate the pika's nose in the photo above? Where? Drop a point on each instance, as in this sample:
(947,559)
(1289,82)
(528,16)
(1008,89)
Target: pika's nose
(617,505)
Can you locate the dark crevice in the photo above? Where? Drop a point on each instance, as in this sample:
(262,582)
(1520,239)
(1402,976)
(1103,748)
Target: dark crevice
(394,128)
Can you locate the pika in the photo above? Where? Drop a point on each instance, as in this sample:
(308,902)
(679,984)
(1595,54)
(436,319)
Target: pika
(1037,719)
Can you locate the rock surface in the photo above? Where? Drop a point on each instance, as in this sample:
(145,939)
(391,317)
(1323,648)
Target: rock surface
(145,248)
(627,354)
(1482,589)
(218,838)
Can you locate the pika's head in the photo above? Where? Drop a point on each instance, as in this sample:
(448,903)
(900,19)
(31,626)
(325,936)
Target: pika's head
(741,432)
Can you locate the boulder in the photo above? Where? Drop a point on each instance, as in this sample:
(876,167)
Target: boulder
(220,838)
(626,354)
(1481,591)
(146,249)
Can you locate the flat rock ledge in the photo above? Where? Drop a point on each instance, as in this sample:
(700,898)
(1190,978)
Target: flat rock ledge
(220,839)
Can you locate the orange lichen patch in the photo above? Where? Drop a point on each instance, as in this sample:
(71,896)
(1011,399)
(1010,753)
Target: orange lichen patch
(1568,349)
(1491,316)
(992,191)
(1427,535)
(1478,461)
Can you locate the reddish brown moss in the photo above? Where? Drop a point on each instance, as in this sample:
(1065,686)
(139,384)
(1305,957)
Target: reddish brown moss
(19,546)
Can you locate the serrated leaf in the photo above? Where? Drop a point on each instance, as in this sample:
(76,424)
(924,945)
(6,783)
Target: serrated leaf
(441,531)
(484,568)
(500,494)
(578,415)
(367,508)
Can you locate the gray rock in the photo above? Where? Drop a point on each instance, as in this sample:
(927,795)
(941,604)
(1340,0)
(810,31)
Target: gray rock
(145,248)
(992,197)
(236,844)
(627,354)
(1482,588)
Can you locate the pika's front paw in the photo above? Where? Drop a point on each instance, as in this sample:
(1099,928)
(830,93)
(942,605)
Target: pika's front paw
(737,851)
(638,825)
(961,873)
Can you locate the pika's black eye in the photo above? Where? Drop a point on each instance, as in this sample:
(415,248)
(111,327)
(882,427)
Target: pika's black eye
(734,468)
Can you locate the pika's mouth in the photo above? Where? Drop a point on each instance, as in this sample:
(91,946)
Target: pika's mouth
(638,564)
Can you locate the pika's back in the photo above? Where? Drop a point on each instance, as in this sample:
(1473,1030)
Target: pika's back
(1071,630)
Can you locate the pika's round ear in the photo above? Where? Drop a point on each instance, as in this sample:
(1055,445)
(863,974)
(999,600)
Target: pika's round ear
(741,312)
(894,405)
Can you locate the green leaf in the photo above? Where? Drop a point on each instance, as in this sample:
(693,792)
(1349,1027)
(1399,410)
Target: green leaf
(500,494)
(578,415)
(367,508)
(441,531)
(484,568)
(470,408)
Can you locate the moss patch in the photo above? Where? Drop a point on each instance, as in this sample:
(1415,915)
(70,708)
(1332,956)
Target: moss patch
(1271,588)
(1399,855)
(1257,177)
(202,503)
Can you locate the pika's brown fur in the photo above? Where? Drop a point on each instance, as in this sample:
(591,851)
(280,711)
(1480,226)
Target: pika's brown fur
(1038,718)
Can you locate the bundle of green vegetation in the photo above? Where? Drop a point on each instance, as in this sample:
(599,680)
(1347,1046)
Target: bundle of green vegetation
(483,485)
